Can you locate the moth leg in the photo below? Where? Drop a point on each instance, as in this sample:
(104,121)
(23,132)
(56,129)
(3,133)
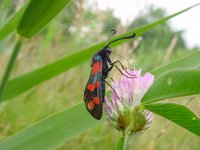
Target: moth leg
(133,76)
(110,86)
(113,64)
(107,83)
(125,68)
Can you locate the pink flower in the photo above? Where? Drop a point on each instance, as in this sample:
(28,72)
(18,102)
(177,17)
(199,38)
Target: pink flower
(124,111)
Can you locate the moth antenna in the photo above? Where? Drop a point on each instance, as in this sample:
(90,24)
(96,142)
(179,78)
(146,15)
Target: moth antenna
(122,38)
(113,33)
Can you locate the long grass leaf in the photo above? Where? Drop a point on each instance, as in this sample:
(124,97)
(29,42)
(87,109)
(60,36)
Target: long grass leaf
(12,23)
(28,80)
(53,131)
(38,14)
(174,84)
(178,114)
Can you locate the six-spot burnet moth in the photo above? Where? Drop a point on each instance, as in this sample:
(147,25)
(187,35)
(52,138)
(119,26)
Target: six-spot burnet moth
(95,88)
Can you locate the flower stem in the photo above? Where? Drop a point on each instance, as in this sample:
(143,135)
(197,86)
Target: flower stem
(127,141)
(9,67)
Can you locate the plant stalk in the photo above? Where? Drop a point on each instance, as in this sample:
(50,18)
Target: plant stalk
(127,140)
(9,67)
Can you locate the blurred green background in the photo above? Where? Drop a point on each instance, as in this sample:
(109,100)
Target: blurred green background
(79,27)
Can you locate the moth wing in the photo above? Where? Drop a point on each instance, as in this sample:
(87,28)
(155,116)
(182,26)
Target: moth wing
(93,91)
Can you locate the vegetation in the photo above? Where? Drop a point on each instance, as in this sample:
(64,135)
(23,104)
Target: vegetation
(41,105)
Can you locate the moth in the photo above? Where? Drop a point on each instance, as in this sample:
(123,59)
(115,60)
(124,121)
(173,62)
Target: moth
(101,65)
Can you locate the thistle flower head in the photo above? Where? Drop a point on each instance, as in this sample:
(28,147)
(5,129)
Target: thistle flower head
(124,111)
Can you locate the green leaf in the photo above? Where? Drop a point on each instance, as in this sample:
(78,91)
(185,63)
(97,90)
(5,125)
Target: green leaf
(53,131)
(174,84)
(178,114)
(35,77)
(12,23)
(188,62)
(38,14)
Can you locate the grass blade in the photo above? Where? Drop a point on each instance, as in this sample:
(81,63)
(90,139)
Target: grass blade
(178,114)
(12,23)
(38,14)
(35,77)
(188,62)
(51,70)
(53,131)
(174,84)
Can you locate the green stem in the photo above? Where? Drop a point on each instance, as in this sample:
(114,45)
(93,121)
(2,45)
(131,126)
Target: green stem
(127,141)
(9,67)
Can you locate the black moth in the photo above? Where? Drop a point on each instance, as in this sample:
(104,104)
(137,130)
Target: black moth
(95,88)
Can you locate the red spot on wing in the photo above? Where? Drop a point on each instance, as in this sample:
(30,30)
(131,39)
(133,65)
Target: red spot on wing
(90,105)
(96,100)
(91,87)
(97,84)
(97,67)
